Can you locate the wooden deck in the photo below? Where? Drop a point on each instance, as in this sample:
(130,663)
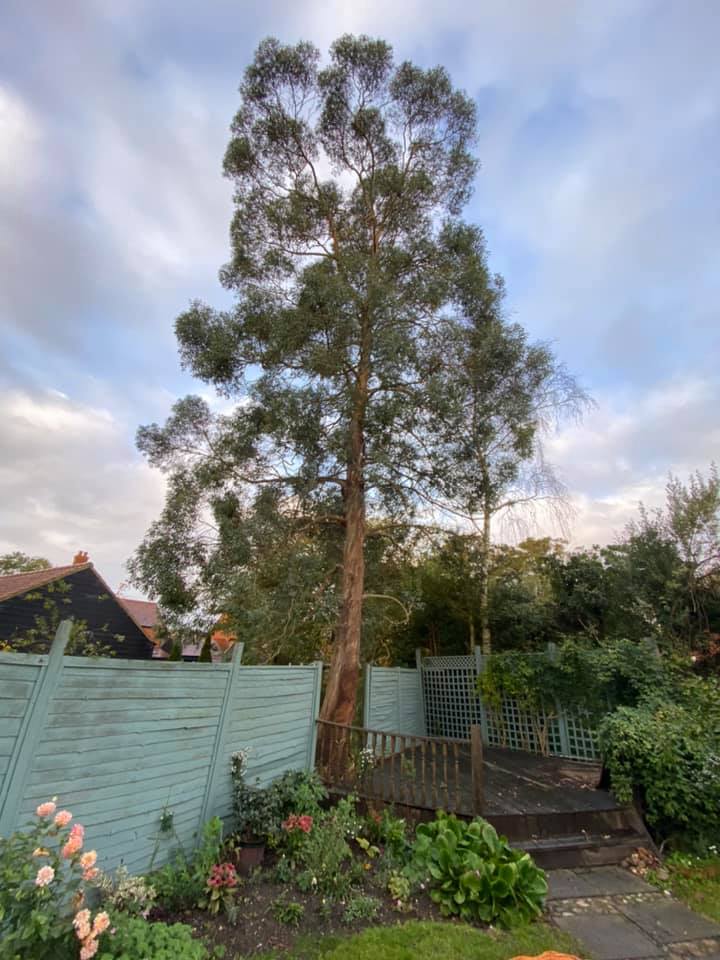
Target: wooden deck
(515,783)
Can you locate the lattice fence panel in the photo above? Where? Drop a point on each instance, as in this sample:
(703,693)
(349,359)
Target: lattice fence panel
(452,706)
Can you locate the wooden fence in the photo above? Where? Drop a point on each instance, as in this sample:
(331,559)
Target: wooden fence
(427,773)
(121,741)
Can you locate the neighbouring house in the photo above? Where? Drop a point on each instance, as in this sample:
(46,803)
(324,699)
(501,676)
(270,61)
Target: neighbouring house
(144,612)
(77,591)
(220,641)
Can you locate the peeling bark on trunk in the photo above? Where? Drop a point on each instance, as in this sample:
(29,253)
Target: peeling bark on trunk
(341,694)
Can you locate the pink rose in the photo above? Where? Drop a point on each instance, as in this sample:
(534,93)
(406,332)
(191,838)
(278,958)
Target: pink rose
(90,873)
(46,809)
(63,818)
(89,949)
(88,859)
(44,876)
(73,845)
(78,831)
(102,922)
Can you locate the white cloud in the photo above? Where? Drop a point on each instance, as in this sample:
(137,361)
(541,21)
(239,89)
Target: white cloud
(70,480)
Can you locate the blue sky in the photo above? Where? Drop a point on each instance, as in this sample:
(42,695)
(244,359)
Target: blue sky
(598,193)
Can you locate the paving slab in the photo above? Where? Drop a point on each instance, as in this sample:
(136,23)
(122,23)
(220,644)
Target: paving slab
(610,881)
(668,921)
(564,884)
(610,937)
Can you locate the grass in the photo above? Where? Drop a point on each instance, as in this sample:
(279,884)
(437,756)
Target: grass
(695,880)
(428,940)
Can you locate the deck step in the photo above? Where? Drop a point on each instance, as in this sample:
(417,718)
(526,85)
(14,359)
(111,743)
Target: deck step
(582,850)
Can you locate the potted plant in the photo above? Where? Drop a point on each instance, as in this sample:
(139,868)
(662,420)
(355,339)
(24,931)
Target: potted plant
(255,816)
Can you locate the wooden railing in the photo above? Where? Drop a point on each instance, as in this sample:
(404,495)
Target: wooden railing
(429,773)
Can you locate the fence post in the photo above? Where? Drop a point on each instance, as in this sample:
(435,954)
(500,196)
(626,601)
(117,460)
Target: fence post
(552,652)
(476,757)
(222,725)
(317,693)
(32,727)
(479,667)
(367,695)
(419,668)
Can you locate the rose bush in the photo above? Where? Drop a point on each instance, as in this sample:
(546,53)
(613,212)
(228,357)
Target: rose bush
(43,873)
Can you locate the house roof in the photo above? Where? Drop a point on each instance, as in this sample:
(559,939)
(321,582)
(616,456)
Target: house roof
(15,584)
(145,612)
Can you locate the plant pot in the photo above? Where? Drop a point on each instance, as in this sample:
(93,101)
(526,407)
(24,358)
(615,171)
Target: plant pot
(250,855)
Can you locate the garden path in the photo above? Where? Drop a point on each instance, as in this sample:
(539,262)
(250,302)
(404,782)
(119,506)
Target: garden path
(617,916)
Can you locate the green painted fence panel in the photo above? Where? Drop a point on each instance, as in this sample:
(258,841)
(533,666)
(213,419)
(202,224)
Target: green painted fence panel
(119,742)
(393,700)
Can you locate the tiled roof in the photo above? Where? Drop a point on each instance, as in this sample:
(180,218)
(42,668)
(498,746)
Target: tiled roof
(145,612)
(15,584)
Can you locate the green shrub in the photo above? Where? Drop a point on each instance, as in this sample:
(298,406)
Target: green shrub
(324,854)
(390,832)
(134,938)
(260,811)
(475,874)
(182,883)
(667,751)
(361,907)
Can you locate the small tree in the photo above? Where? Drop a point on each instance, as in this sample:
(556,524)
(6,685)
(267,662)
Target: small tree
(506,394)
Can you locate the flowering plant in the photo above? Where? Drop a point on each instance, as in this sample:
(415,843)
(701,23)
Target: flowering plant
(222,886)
(295,822)
(42,874)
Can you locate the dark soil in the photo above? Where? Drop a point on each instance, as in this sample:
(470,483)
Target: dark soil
(258,930)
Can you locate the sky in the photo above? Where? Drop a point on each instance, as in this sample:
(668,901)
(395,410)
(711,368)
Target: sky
(599,142)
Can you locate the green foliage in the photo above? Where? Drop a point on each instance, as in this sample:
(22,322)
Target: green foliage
(134,937)
(176,652)
(475,874)
(182,883)
(124,893)
(288,911)
(18,562)
(260,812)
(666,750)
(388,831)
(694,879)
(40,892)
(361,907)
(399,887)
(324,855)
(205,652)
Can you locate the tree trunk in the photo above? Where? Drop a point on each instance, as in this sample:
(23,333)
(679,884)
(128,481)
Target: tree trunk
(341,694)
(471,629)
(486,639)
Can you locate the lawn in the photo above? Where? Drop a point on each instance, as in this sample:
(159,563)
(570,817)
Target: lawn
(696,880)
(428,940)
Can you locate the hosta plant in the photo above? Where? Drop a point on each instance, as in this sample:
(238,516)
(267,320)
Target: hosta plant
(475,874)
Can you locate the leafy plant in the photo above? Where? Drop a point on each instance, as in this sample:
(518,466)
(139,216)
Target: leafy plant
(42,875)
(388,831)
(288,912)
(666,751)
(181,883)
(399,887)
(475,874)
(361,907)
(221,890)
(325,852)
(133,938)
(125,893)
